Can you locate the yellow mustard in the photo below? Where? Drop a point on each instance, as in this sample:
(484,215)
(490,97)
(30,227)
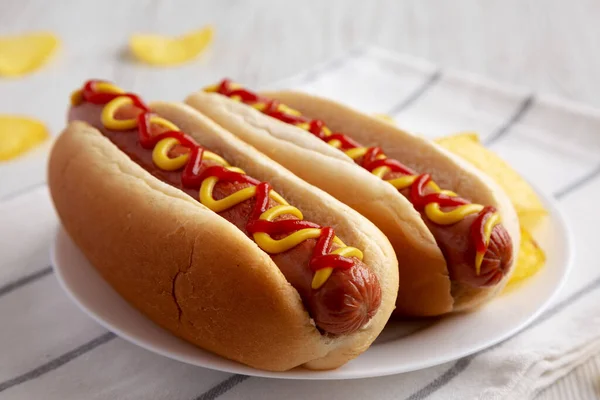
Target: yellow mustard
(160,156)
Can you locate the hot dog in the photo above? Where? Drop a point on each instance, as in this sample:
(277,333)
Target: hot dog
(346,294)
(455,230)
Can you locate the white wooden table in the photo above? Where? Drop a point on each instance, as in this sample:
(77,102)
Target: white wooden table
(549,46)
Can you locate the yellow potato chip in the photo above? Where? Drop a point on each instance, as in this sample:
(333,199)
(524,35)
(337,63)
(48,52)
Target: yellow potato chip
(385,118)
(530,260)
(18,135)
(20,55)
(166,51)
(525,200)
(472,136)
(529,207)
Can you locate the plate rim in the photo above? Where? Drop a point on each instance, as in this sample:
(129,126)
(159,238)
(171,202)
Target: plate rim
(555,213)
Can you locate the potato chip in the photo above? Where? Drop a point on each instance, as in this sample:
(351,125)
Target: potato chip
(20,55)
(18,135)
(529,208)
(385,117)
(166,51)
(530,260)
(525,200)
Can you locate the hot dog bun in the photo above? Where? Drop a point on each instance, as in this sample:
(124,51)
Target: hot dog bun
(425,287)
(191,271)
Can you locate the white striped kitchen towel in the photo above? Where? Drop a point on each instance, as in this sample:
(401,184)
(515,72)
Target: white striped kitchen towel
(51,350)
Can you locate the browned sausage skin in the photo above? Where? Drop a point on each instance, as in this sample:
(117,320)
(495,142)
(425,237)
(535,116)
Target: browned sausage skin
(347,300)
(459,250)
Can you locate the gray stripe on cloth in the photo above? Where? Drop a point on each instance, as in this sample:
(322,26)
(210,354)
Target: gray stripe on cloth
(456,369)
(9,287)
(519,113)
(460,365)
(416,94)
(441,380)
(222,387)
(57,362)
(579,183)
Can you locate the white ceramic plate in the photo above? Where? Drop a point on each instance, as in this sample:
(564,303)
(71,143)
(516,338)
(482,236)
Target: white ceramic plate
(402,346)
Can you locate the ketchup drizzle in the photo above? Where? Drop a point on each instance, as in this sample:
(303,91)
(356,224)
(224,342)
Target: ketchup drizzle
(321,257)
(477,229)
(420,199)
(369,160)
(193,175)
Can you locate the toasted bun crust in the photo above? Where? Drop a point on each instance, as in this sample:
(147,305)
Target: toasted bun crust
(191,271)
(425,288)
